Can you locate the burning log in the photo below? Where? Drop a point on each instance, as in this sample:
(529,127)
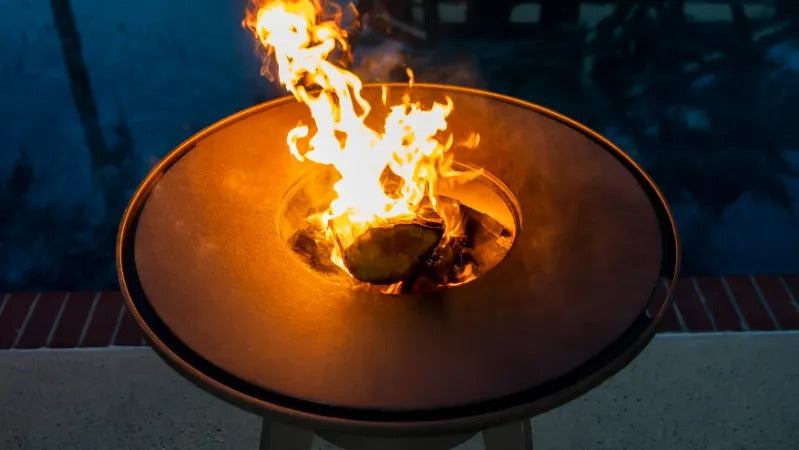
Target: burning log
(415,251)
(314,248)
(392,252)
(487,240)
(446,265)
(421,256)
(478,241)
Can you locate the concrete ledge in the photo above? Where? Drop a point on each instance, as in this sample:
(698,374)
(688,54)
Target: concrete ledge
(689,391)
(715,390)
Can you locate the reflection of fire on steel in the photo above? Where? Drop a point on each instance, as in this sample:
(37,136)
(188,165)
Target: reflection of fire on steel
(387,222)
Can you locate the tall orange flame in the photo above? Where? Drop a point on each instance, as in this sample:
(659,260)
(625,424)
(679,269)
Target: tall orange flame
(302,36)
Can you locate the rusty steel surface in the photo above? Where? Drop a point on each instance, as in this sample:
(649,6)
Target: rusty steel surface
(226,302)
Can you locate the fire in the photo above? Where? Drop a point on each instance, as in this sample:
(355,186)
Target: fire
(385,174)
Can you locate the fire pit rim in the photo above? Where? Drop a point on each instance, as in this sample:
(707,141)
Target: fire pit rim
(466,418)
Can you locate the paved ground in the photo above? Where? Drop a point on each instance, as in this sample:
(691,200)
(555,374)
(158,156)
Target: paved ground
(709,391)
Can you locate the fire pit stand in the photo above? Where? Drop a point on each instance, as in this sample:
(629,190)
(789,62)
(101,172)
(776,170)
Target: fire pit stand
(224,300)
(512,436)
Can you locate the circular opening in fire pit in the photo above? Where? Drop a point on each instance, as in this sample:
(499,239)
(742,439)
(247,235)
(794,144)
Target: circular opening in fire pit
(415,255)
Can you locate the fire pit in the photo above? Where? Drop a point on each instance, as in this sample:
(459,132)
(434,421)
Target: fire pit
(224,298)
(455,260)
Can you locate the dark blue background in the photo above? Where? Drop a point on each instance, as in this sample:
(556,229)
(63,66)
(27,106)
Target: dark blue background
(94,93)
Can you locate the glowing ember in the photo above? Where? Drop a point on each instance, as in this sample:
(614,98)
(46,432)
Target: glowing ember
(385,177)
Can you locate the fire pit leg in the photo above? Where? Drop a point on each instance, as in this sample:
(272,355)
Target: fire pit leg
(278,436)
(513,436)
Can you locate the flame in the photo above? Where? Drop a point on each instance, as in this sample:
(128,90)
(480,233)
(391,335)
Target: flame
(384,175)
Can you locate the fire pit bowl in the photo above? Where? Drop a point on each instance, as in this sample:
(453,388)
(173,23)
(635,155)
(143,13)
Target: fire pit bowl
(225,301)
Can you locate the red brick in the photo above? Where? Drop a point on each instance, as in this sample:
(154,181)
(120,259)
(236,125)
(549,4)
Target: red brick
(129,332)
(14,312)
(41,320)
(656,297)
(748,302)
(777,297)
(793,285)
(73,319)
(669,322)
(719,303)
(103,321)
(688,302)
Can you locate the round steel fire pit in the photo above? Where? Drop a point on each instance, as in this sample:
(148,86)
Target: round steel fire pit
(224,300)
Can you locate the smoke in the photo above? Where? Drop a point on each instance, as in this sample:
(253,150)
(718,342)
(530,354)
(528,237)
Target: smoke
(380,56)
(382,61)
(439,65)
